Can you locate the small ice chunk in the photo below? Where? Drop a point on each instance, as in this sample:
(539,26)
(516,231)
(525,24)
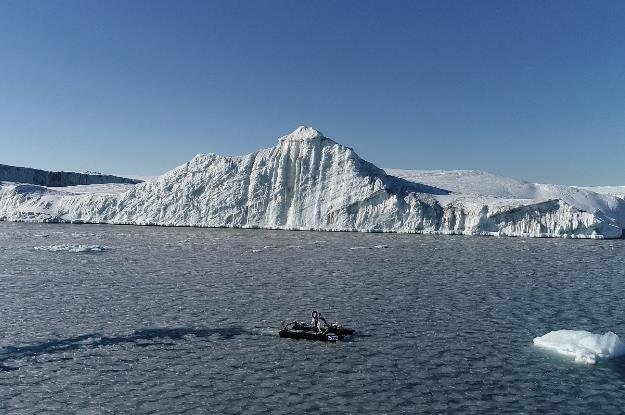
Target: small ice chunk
(582,345)
(72,248)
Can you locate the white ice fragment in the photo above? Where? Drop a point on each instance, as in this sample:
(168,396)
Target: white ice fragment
(82,234)
(583,346)
(72,248)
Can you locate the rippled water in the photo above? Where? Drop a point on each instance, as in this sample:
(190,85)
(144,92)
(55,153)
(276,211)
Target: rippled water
(167,320)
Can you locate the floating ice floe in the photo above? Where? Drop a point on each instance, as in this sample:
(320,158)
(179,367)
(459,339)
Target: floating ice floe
(369,247)
(82,234)
(72,248)
(583,346)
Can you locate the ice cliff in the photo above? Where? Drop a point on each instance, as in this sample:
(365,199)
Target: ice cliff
(308,181)
(56,178)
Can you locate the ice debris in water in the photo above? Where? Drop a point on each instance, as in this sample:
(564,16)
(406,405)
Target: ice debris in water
(72,248)
(369,247)
(582,345)
(82,234)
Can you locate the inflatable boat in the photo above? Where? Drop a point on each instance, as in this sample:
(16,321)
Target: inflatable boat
(329,333)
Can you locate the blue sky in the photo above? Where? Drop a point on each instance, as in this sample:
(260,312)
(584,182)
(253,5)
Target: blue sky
(529,89)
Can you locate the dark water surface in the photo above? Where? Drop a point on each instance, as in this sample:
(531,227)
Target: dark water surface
(183,320)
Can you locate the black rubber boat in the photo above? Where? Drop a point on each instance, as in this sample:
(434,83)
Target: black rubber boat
(329,333)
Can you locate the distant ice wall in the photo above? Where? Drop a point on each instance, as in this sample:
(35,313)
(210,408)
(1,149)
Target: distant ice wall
(56,178)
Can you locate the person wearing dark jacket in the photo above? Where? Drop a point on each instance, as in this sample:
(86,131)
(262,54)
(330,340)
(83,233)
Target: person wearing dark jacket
(315,320)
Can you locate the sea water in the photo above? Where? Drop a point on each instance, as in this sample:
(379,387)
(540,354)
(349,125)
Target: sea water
(126,319)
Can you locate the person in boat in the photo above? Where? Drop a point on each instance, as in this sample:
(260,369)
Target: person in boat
(315,320)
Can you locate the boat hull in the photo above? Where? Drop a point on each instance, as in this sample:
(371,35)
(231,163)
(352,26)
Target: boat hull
(307,335)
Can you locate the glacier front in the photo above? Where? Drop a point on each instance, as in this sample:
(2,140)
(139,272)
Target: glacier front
(309,182)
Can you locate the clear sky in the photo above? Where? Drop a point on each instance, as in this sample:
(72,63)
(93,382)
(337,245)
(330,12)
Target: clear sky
(529,89)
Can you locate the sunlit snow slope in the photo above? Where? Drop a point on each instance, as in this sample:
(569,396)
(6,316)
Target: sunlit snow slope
(308,181)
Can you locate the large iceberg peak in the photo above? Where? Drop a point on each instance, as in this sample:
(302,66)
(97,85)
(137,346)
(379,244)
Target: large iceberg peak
(303,133)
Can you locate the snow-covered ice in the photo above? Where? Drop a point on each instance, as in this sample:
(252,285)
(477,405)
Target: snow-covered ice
(310,182)
(583,346)
(617,191)
(475,189)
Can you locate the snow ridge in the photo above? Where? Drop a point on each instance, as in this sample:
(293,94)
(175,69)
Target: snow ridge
(307,181)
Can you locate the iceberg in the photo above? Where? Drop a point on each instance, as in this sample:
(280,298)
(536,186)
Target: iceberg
(310,182)
(583,346)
